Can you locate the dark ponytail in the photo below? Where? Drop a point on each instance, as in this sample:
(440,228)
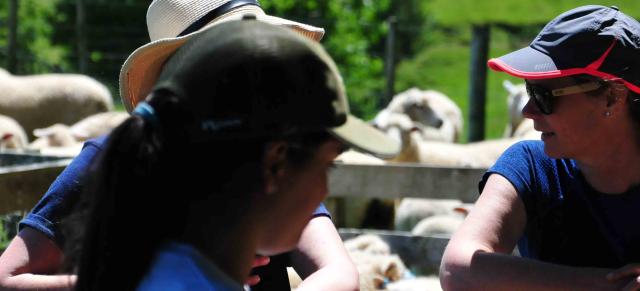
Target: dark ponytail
(120,234)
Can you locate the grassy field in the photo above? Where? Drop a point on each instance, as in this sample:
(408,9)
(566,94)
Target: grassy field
(444,66)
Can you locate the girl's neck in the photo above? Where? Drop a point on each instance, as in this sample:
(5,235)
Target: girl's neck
(227,240)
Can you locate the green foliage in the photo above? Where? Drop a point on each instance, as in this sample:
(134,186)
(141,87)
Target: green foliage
(4,238)
(36,52)
(354,31)
(514,12)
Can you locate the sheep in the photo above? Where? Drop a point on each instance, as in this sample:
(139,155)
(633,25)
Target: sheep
(442,224)
(516,101)
(61,135)
(12,135)
(57,135)
(373,259)
(518,127)
(411,211)
(369,243)
(377,269)
(430,283)
(38,101)
(357,158)
(97,125)
(415,149)
(433,112)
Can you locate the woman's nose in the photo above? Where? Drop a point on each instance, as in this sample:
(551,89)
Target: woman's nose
(531,110)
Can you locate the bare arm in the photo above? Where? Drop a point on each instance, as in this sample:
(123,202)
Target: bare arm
(26,261)
(321,259)
(478,255)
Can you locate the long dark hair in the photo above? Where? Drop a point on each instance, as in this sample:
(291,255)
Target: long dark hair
(142,185)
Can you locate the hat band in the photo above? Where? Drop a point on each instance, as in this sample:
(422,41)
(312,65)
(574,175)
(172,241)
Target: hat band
(215,13)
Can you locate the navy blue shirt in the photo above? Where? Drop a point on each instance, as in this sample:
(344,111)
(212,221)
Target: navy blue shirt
(568,222)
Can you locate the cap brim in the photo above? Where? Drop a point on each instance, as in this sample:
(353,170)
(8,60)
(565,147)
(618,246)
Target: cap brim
(142,68)
(526,63)
(363,137)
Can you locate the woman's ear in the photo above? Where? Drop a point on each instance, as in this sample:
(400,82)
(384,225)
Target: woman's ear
(275,160)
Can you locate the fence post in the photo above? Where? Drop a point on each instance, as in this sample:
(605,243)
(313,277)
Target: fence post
(81,35)
(478,82)
(12,47)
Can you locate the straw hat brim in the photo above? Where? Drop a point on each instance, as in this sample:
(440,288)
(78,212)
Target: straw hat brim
(142,68)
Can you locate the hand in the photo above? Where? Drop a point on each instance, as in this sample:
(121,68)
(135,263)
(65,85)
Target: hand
(259,261)
(630,272)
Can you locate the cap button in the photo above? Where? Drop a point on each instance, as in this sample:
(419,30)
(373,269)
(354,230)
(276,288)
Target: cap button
(249,16)
(615,8)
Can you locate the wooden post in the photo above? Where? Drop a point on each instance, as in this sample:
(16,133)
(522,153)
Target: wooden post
(390,65)
(12,48)
(81,36)
(478,82)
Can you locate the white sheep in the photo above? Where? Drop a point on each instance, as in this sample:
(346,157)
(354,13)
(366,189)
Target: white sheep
(12,135)
(357,158)
(377,269)
(516,100)
(442,224)
(415,149)
(58,135)
(61,135)
(368,243)
(519,126)
(430,283)
(411,211)
(37,101)
(433,112)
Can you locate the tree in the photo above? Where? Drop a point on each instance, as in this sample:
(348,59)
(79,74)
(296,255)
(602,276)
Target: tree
(36,53)
(354,38)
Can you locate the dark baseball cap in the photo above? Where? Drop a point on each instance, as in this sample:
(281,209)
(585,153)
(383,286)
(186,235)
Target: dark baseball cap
(595,40)
(247,78)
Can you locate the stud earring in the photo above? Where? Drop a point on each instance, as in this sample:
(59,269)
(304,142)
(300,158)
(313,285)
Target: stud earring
(607,113)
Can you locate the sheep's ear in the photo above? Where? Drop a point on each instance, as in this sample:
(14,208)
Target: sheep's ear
(510,87)
(41,132)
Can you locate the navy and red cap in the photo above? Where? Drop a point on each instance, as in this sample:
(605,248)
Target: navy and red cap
(595,40)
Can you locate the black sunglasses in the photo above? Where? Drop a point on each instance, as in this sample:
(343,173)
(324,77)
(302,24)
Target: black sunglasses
(543,97)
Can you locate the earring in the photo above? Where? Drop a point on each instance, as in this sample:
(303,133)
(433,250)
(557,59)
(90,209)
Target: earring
(607,113)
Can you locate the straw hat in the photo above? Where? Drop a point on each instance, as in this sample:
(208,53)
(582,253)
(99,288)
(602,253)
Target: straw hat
(171,23)
(279,79)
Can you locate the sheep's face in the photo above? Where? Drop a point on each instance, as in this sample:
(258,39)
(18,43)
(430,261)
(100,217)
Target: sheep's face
(516,100)
(417,107)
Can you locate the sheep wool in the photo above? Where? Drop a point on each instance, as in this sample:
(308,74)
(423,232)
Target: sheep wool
(38,101)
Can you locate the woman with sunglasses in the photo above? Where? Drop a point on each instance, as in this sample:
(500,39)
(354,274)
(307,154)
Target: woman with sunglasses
(568,201)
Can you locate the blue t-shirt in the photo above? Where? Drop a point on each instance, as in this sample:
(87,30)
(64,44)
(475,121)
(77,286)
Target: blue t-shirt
(568,222)
(180,267)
